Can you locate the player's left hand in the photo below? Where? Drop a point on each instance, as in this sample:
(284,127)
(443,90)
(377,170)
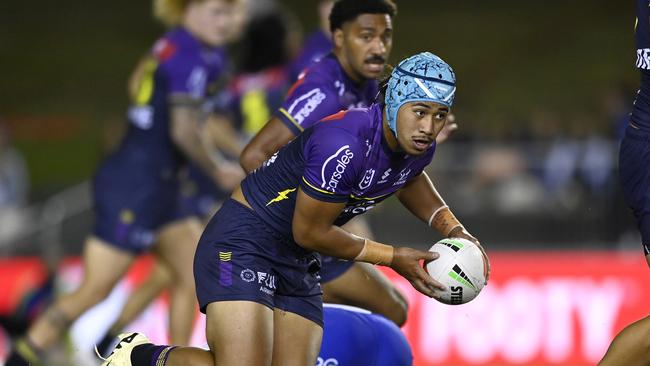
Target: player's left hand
(406,262)
(461,232)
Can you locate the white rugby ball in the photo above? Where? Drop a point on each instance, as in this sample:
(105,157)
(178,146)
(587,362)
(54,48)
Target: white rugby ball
(460,268)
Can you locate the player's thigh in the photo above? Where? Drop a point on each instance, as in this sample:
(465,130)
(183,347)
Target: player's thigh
(104,265)
(240,333)
(631,347)
(176,245)
(363,285)
(296,340)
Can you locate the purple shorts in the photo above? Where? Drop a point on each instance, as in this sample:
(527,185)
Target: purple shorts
(240,258)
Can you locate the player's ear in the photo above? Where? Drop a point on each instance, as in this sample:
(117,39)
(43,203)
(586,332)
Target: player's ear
(337,37)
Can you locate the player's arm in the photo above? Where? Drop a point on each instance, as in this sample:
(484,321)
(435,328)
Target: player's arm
(266,142)
(220,134)
(308,101)
(314,229)
(420,196)
(186,135)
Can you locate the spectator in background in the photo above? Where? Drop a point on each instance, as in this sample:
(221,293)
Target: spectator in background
(14,186)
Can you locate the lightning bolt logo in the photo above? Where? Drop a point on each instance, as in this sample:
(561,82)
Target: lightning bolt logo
(281,196)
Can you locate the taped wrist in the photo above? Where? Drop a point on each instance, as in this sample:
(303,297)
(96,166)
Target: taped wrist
(444,220)
(376,253)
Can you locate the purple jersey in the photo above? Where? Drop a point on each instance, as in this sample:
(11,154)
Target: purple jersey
(322,90)
(317,45)
(342,159)
(179,65)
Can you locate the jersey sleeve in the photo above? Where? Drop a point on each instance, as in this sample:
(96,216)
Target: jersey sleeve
(333,158)
(309,100)
(184,72)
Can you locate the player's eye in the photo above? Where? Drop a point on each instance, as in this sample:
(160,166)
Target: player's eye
(420,113)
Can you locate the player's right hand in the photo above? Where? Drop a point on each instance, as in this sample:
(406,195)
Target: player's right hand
(407,262)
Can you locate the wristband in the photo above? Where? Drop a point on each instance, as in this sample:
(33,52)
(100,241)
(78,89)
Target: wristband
(444,220)
(376,253)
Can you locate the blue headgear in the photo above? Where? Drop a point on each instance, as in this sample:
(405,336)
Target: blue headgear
(422,77)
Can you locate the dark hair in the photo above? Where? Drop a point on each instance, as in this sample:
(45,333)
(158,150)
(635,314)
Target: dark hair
(346,10)
(264,43)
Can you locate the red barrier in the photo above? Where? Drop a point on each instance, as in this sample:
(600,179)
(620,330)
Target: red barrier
(542,308)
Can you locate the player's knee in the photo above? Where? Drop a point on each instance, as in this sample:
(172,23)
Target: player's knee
(399,313)
(395,308)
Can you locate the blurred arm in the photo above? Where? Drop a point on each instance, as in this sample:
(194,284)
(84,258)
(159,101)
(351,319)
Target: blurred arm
(267,142)
(185,133)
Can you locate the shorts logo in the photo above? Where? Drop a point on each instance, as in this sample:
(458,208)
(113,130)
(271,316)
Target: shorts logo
(267,281)
(314,98)
(367,179)
(341,158)
(225,269)
(247,275)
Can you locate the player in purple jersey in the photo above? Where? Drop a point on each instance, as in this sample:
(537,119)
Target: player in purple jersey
(317,44)
(257,263)
(343,79)
(135,188)
(631,346)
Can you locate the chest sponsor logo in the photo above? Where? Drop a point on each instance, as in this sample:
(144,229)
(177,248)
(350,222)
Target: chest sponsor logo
(313,99)
(336,164)
(403,176)
(366,181)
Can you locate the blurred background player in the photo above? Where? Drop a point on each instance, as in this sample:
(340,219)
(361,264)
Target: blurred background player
(135,189)
(256,265)
(632,345)
(362,34)
(317,44)
(354,336)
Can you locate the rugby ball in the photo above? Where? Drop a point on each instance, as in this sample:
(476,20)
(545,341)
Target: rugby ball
(460,268)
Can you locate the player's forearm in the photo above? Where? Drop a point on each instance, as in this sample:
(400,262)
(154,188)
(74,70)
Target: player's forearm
(190,144)
(333,241)
(420,197)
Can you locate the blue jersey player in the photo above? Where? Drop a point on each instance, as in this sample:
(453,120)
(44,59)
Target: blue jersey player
(630,347)
(257,263)
(136,187)
(353,336)
(362,33)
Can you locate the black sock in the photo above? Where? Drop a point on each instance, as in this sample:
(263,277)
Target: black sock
(104,346)
(150,354)
(24,353)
